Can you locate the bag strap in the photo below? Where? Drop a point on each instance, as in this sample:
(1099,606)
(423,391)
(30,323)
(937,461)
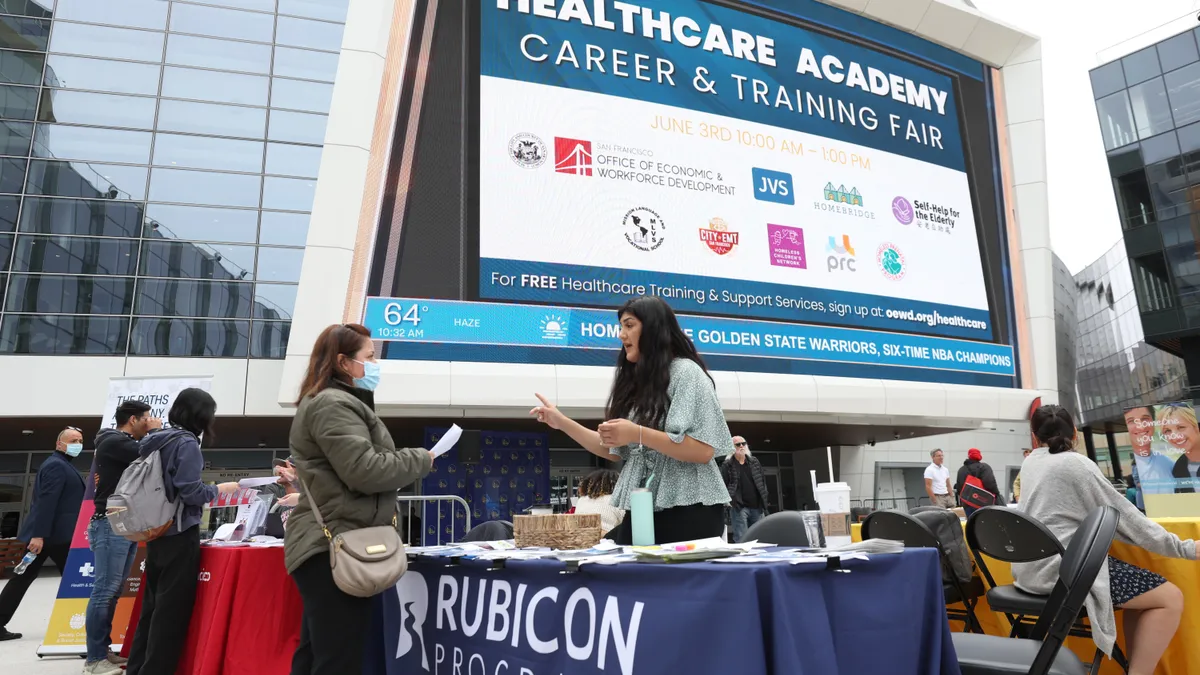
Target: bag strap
(316,509)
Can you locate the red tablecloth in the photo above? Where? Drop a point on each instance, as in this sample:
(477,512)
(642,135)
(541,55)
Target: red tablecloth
(247,615)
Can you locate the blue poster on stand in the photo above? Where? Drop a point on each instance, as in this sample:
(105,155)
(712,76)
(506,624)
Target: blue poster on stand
(513,474)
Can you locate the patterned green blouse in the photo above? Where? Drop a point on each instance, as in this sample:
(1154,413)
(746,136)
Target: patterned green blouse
(695,411)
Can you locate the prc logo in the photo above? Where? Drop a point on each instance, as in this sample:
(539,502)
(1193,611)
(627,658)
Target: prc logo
(644,229)
(718,237)
(841,196)
(891,262)
(527,151)
(573,156)
(902,210)
(841,256)
(413,593)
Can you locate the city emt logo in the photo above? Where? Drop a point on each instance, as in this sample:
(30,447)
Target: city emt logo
(891,262)
(718,237)
(503,620)
(573,156)
(841,256)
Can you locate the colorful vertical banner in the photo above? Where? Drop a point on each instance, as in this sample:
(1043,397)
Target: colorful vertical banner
(66,633)
(513,474)
(1165,439)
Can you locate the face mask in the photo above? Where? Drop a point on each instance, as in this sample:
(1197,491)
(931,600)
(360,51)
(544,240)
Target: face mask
(73,449)
(370,378)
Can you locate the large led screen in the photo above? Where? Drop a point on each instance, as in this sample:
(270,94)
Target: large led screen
(808,200)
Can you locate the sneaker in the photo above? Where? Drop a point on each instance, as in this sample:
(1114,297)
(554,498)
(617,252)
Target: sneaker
(116,659)
(102,668)
(6,635)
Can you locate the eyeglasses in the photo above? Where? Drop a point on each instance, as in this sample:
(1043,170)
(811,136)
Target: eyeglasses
(740,445)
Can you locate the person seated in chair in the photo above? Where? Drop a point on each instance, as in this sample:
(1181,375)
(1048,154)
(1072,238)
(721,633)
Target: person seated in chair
(1060,487)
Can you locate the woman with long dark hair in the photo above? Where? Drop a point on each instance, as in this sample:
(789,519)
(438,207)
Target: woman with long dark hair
(1060,487)
(350,469)
(173,560)
(665,421)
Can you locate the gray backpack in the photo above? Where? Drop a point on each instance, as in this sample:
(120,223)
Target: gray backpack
(139,509)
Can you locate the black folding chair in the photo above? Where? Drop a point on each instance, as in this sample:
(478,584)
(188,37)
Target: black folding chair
(785,528)
(1011,536)
(991,655)
(915,534)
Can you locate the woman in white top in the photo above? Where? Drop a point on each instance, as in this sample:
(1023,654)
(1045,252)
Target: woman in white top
(595,496)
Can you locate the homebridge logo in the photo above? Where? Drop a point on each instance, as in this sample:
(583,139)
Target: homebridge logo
(513,622)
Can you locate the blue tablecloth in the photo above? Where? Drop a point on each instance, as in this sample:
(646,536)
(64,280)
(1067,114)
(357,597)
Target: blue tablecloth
(885,615)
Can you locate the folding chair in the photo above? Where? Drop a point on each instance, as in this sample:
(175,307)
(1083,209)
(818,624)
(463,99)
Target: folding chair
(915,534)
(991,655)
(1010,536)
(785,528)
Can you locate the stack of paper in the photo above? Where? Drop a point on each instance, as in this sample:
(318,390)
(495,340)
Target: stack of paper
(872,546)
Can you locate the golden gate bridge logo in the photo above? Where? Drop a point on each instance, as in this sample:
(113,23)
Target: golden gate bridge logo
(573,156)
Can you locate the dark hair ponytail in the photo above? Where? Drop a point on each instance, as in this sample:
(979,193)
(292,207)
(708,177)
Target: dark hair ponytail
(1052,425)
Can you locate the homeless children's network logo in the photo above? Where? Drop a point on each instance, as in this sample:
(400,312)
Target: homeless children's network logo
(644,229)
(787,246)
(527,151)
(573,156)
(891,261)
(718,237)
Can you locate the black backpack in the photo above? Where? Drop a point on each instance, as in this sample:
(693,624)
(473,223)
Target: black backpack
(957,561)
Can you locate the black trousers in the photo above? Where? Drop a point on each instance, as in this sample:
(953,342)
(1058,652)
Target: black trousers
(172,572)
(334,625)
(679,523)
(14,590)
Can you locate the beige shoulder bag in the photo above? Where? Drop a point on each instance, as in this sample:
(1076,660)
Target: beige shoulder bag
(365,561)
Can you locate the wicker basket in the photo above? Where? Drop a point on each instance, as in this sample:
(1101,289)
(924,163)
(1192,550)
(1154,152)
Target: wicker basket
(562,532)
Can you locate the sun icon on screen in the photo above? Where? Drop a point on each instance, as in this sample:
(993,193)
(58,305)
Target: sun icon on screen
(554,327)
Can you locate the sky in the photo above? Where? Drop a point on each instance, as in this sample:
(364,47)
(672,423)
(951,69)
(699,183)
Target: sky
(1083,211)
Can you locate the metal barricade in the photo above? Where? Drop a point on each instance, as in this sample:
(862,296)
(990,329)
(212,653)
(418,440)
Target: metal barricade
(408,504)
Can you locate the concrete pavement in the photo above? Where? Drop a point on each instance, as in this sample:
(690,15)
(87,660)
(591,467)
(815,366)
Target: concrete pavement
(20,656)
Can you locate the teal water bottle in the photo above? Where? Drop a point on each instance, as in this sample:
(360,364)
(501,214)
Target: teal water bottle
(641,509)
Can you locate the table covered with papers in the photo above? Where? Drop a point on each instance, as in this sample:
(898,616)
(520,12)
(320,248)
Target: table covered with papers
(883,614)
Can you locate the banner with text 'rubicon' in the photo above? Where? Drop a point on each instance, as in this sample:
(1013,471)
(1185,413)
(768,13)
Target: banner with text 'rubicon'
(66,634)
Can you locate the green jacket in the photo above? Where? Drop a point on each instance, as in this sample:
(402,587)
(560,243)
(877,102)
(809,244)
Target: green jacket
(350,468)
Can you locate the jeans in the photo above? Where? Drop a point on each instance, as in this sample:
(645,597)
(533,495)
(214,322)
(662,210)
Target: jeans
(114,556)
(743,518)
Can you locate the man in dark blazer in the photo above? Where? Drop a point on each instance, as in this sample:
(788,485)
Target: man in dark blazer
(50,525)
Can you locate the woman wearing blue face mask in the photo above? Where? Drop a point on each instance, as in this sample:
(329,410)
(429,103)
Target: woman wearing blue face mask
(350,469)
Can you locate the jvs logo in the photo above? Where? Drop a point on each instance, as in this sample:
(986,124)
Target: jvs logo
(773,186)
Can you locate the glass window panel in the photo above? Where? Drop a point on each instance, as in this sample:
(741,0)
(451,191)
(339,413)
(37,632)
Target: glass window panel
(168,221)
(297,127)
(1133,199)
(121,77)
(9,206)
(1183,90)
(134,13)
(75,255)
(1177,51)
(186,50)
(176,297)
(1168,188)
(24,33)
(87,180)
(306,64)
(104,145)
(270,339)
(181,260)
(274,301)
(1159,148)
(1176,231)
(220,22)
(6,241)
(189,337)
(107,42)
(311,96)
(288,194)
(1116,120)
(40,9)
(204,188)
(106,110)
(207,85)
(1185,269)
(1141,66)
(199,152)
(211,118)
(18,103)
(47,334)
(293,160)
(280,264)
(14,138)
(21,67)
(260,5)
(102,218)
(305,33)
(12,174)
(1151,112)
(332,10)
(284,229)
(50,294)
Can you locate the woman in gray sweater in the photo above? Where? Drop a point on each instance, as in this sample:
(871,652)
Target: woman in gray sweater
(1060,487)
